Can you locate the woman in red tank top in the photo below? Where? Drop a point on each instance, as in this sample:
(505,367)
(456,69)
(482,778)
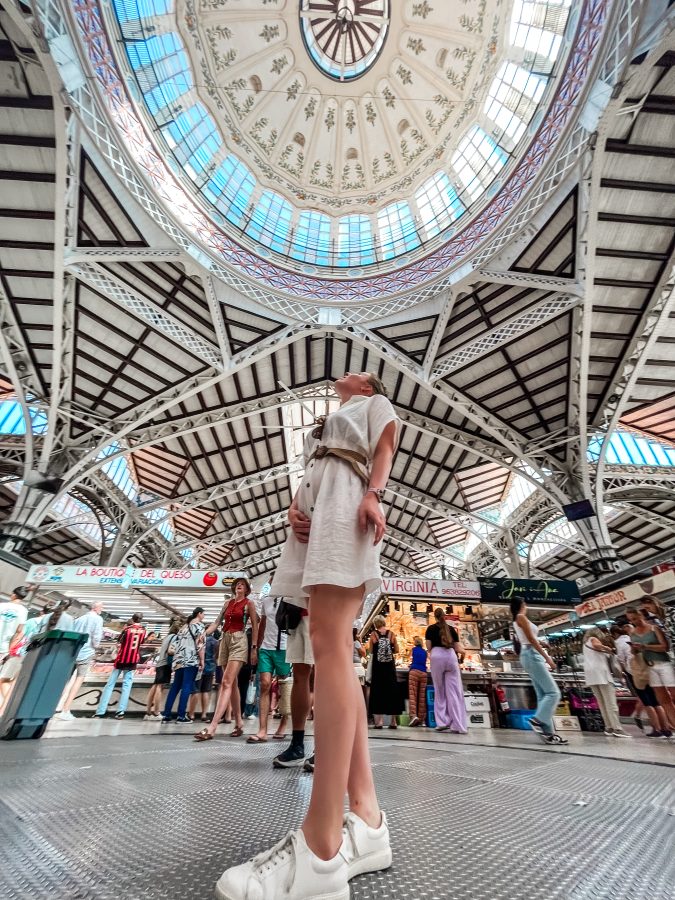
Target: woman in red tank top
(232,654)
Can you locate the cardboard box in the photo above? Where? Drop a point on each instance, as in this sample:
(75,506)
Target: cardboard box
(479,720)
(566,723)
(476,703)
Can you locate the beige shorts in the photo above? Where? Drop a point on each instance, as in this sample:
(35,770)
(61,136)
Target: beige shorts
(82,668)
(11,668)
(299,647)
(661,674)
(233,648)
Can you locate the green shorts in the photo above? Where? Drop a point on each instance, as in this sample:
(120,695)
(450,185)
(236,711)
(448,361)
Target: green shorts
(273,662)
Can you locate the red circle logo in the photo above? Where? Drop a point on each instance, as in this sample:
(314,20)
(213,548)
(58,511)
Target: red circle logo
(210,579)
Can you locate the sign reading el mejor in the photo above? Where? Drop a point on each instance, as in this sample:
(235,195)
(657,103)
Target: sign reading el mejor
(536,592)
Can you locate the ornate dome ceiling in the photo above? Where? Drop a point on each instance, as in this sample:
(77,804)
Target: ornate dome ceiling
(342,133)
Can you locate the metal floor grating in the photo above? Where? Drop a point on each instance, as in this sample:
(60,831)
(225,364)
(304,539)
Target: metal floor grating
(157,816)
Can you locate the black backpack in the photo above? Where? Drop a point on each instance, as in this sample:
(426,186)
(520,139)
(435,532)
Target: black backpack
(288,616)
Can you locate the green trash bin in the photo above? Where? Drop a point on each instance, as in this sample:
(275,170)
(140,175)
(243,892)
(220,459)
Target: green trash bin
(47,666)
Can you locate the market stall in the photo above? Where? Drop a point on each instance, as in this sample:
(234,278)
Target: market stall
(493,680)
(160,594)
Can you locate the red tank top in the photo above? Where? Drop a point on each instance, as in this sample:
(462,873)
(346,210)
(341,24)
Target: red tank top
(235,615)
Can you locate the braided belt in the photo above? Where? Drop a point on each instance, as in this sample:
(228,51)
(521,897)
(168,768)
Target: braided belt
(351,457)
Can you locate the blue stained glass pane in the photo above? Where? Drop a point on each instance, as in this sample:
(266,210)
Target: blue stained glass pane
(355,241)
(438,203)
(270,221)
(196,137)
(133,10)
(311,240)
(230,189)
(398,232)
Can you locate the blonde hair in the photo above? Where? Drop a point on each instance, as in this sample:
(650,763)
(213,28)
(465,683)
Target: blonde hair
(417,640)
(379,622)
(376,384)
(446,637)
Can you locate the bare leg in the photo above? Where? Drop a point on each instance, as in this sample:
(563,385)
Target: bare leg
(300,696)
(150,704)
(159,699)
(72,693)
(331,613)
(360,786)
(192,705)
(236,713)
(225,694)
(265,688)
(281,730)
(666,703)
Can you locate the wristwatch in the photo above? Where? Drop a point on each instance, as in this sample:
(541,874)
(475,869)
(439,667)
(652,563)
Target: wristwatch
(379,493)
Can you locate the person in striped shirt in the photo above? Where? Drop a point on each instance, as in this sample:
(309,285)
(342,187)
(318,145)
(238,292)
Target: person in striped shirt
(128,657)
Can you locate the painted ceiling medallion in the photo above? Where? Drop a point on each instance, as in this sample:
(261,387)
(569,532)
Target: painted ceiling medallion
(344,37)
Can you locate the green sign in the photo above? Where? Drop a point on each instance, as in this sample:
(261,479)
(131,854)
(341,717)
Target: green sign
(535,592)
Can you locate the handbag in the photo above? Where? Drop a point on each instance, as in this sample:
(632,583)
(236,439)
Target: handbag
(369,669)
(250,692)
(639,669)
(288,616)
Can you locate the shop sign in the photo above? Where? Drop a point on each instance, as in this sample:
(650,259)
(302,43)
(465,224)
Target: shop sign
(128,577)
(629,593)
(536,592)
(429,587)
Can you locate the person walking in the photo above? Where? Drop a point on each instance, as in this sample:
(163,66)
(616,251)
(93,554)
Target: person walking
(650,644)
(299,655)
(385,698)
(202,691)
(163,666)
(417,684)
(598,677)
(232,655)
(13,616)
(188,660)
(444,647)
(128,656)
(330,561)
(271,662)
(535,660)
(91,624)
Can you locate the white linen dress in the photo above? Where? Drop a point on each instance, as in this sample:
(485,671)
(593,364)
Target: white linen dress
(330,494)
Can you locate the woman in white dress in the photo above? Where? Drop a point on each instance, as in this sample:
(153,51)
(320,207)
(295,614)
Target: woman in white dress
(329,563)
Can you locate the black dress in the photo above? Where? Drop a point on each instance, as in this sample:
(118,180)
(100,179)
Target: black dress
(385,697)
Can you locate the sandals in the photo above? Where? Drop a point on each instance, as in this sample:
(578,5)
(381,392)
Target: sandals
(204,735)
(278,737)
(237,732)
(254,739)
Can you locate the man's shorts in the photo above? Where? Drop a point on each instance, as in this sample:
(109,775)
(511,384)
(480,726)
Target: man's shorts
(273,662)
(233,648)
(298,646)
(661,674)
(163,675)
(205,683)
(82,668)
(11,668)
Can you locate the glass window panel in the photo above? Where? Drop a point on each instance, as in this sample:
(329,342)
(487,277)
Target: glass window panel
(133,10)
(438,204)
(397,229)
(270,221)
(230,189)
(355,241)
(311,239)
(477,161)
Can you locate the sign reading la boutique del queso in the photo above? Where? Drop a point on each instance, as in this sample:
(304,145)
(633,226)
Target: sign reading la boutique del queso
(128,576)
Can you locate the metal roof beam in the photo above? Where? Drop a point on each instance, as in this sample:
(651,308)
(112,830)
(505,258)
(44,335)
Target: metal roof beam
(81,255)
(528,280)
(203,546)
(503,334)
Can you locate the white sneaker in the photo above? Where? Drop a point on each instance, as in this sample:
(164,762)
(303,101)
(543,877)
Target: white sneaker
(65,715)
(366,849)
(620,734)
(289,870)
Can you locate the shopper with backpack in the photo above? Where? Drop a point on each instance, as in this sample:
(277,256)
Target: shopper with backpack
(385,697)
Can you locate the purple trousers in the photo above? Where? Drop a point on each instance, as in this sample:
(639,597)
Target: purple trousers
(449,707)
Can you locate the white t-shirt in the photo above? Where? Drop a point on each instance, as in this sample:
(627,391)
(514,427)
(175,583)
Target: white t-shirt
(12,615)
(623,651)
(268,607)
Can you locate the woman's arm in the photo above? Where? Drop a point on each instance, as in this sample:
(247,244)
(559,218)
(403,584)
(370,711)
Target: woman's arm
(370,512)
(362,652)
(597,644)
(299,522)
(428,643)
(662,646)
(524,623)
(253,613)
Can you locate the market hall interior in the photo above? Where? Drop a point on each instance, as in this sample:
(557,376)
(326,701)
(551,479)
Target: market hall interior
(211,213)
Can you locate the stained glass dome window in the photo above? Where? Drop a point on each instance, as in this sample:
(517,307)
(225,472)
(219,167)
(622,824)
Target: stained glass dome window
(344,37)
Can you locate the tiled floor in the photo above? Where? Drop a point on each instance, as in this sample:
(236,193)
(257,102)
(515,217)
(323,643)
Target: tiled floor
(108,810)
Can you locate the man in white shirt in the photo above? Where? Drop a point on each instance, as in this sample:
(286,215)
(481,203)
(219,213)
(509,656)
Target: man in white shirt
(91,624)
(13,615)
(271,661)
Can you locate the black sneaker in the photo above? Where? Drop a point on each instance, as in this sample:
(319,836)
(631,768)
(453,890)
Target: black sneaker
(184,720)
(119,715)
(166,720)
(290,758)
(653,733)
(97,716)
(309,764)
(638,721)
(555,739)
